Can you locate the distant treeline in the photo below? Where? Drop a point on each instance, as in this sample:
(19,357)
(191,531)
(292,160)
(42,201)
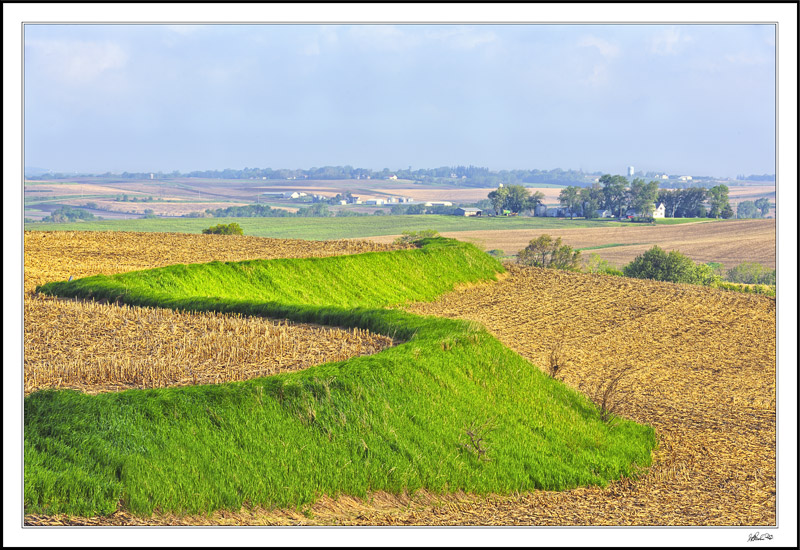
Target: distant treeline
(318,210)
(474,176)
(467,175)
(753,177)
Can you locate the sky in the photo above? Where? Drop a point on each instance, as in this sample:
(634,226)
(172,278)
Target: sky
(681,99)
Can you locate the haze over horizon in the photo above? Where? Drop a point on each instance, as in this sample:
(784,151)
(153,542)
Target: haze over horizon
(693,99)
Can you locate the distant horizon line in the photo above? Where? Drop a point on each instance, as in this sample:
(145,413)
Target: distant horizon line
(35,170)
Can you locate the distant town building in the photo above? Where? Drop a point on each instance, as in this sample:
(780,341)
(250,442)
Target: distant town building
(152,176)
(630,171)
(392,177)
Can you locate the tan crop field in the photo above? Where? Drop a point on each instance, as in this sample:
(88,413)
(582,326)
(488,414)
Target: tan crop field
(57,255)
(729,242)
(702,373)
(98,347)
(118,348)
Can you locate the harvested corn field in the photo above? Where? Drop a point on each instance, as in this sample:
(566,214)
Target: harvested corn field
(702,373)
(704,377)
(729,242)
(96,347)
(135,347)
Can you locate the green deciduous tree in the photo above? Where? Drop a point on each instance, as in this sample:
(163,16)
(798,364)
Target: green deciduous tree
(615,193)
(718,201)
(517,199)
(498,198)
(764,205)
(690,203)
(514,198)
(643,197)
(544,251)
(671,200)
(747,209)
(569,197)
(674,267)
(590,199)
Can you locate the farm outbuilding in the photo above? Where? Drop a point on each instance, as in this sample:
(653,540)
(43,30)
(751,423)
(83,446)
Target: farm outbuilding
(468,211)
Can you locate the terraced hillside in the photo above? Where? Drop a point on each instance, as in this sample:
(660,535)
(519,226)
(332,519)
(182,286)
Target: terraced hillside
(372,423)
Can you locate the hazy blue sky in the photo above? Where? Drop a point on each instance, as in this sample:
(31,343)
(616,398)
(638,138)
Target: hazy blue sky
(694,99)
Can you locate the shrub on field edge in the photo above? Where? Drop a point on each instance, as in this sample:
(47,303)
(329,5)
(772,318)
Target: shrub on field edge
(751,273)
(222,229)
(546,252)
(414,236)
(596,264)
(674,267)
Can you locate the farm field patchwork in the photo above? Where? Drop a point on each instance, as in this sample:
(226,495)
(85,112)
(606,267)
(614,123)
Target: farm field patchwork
(354,419)
(325,228)
(715,464)
(57,255)
(145,347)
(729,242)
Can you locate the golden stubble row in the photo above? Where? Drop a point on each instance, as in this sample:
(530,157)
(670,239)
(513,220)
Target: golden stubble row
(96,347)
(57,255)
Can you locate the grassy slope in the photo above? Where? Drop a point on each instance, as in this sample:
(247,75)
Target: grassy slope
(327,228)
(392,421)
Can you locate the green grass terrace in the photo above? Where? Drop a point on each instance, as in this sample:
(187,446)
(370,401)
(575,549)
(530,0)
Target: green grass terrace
(396,421)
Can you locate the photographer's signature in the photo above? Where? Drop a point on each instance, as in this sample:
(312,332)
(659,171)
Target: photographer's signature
(759,536)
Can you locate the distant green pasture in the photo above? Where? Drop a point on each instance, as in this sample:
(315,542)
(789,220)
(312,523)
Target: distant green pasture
(328,228)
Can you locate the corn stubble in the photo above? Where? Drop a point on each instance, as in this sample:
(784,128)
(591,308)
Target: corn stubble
(94,347)
(697,364)
(97,347)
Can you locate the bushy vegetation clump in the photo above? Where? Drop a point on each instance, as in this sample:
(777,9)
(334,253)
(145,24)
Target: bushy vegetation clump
(545,251)
(224,229)
(751,273)
(595,264)
(67,214)
(415,236)
(673,267)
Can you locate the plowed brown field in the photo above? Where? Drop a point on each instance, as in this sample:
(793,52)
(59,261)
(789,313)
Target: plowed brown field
(703,376)
(728,242)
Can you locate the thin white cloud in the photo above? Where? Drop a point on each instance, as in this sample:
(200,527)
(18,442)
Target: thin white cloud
(184,29)
(75,62)
(598,77)
(606,48)
(461,38)
(384,37)
(669,41)
(311,49)
(747,59)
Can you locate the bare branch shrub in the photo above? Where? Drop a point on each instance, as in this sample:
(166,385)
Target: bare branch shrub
(477,434)
(557,360)
(608,396)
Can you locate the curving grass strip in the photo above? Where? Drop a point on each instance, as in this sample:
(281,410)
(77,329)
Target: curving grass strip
(395,421)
